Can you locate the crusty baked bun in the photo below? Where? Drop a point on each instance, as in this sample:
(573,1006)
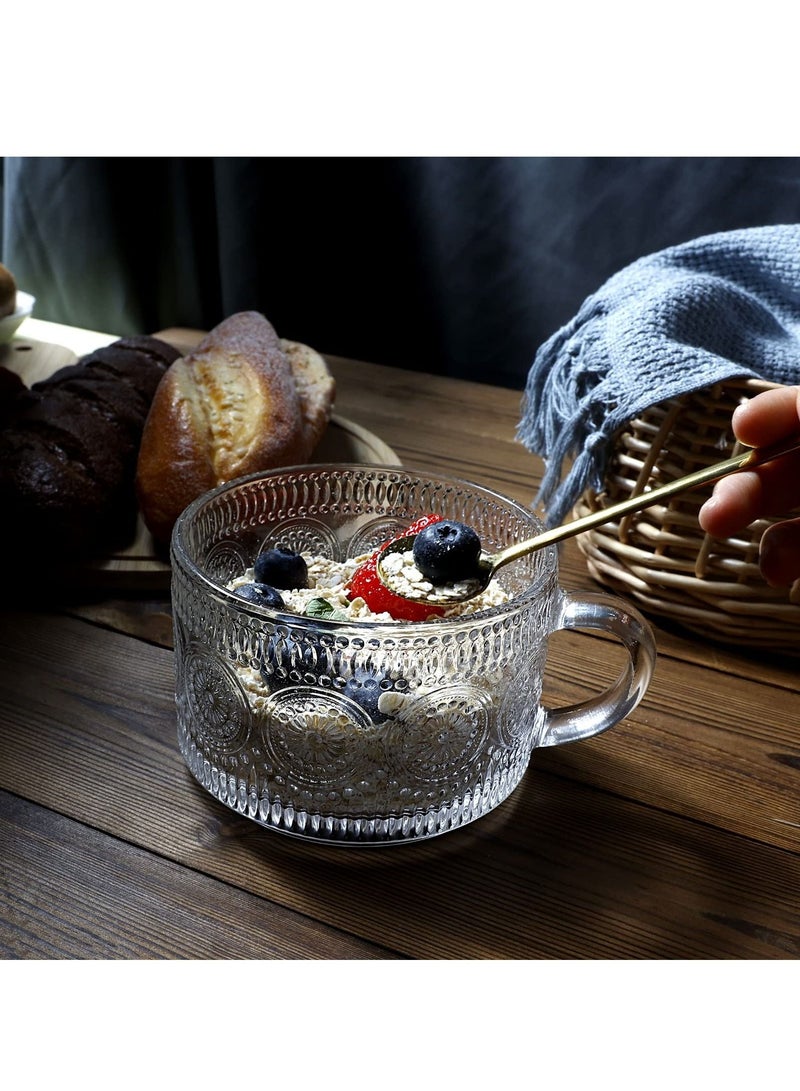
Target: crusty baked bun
(8,292)
(68,449)
(231,407)
(315,386)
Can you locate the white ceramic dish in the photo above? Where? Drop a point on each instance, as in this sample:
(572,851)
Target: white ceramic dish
(11,323)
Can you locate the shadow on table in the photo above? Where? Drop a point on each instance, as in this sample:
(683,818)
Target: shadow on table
(561,870)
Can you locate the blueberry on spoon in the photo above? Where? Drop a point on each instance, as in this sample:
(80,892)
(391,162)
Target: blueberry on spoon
(447,551)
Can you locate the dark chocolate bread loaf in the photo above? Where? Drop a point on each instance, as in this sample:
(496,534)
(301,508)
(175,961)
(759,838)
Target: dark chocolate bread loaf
(11,386)
(68,450)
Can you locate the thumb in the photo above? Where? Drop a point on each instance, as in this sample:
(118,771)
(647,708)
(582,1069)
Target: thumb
(780,553)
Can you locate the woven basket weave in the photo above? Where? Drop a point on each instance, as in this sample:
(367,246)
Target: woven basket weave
(660,557)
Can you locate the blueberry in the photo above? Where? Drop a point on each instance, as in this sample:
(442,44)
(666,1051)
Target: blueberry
(365,688)
(447,551)
(288,659)
(281,568)
(261,594)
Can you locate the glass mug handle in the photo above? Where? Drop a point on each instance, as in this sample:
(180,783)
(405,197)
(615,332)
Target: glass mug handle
(590,717)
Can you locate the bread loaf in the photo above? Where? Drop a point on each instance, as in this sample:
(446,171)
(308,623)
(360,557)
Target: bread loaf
(233,406)
(11,386)
(315,387)
(68,449)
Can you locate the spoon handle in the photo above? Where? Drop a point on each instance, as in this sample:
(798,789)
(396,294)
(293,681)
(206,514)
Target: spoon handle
(745,460)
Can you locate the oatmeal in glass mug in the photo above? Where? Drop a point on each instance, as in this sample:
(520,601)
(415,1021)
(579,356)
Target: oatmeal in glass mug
(362,730)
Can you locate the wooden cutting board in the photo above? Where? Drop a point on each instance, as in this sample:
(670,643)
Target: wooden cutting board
(40,348)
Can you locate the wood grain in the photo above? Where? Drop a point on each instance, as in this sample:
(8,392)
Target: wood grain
(70,892)
(562,870)
(673,836)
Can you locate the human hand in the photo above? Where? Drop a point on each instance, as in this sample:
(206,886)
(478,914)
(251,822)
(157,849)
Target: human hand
(770,490)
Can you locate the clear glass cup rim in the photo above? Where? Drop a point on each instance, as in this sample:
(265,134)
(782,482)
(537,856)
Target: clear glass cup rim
(548,570)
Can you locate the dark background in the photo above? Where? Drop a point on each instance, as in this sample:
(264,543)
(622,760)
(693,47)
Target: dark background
(456,266)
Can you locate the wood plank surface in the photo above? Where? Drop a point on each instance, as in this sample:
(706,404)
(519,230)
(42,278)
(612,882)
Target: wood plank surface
(70,892)
(676,835)
(562,870)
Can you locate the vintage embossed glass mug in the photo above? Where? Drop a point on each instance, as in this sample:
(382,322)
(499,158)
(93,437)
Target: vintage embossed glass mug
(267,721)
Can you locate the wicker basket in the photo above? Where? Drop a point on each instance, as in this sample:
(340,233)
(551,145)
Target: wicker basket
(659,557)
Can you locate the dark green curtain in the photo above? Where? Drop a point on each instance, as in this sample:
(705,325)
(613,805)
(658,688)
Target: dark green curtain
(455,266)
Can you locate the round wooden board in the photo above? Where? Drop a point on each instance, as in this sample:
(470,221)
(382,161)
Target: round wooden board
(346,441)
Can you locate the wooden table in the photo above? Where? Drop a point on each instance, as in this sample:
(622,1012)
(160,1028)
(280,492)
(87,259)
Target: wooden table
(674,836)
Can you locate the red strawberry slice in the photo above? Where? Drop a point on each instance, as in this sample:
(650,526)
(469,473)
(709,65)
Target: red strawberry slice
(414,528)
(366,583)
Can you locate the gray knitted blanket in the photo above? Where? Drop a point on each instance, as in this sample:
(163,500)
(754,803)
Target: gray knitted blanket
(724,305)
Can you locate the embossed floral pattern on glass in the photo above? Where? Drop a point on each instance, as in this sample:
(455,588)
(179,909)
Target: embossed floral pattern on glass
(269,715)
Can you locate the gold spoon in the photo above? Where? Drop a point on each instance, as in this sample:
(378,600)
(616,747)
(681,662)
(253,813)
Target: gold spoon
(488,563)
